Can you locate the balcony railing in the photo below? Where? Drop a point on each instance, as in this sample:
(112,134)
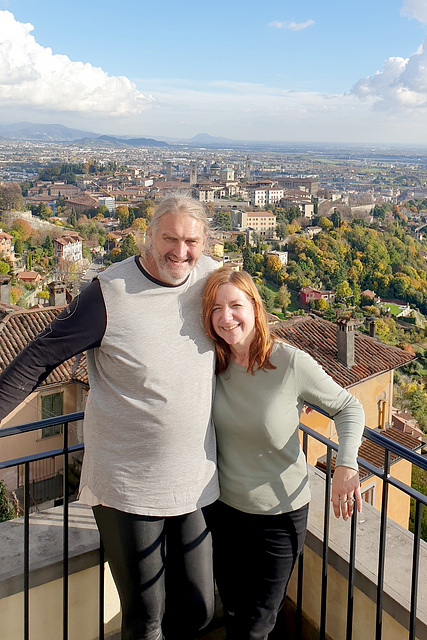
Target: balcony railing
(382,473)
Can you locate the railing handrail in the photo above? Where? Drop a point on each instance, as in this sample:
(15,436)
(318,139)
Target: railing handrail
(41,424)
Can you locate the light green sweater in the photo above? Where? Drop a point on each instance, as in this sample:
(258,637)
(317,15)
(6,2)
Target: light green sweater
(262,468)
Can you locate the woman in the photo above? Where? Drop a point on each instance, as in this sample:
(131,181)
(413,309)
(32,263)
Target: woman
(260,520)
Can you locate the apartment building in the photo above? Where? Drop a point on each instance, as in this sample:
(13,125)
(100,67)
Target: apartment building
(262,222)
(6,246)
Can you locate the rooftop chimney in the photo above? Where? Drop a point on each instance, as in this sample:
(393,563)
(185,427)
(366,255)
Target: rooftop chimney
(57,294)
(345,341)
(372,322)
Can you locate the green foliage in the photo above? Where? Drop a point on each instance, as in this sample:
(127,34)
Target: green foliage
(72,218)
(221,220)
(419,482)
(4,267)
(249,263)
(128,248)
(8,505)
(267,296)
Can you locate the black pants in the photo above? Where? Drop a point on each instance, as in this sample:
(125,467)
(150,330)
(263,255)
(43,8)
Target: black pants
(160,566)
(253,560)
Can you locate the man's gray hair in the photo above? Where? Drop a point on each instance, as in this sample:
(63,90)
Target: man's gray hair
(179,203)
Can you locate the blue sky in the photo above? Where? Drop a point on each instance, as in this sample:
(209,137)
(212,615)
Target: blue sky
(307,71)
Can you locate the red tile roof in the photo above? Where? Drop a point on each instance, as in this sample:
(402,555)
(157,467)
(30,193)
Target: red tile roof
(318,338)
(18,327)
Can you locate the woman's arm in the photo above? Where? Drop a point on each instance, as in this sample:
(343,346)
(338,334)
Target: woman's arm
(317,388)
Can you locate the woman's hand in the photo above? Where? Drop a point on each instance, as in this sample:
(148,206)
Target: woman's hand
(346,492)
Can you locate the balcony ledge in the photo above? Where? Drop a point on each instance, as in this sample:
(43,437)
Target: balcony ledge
(46,553)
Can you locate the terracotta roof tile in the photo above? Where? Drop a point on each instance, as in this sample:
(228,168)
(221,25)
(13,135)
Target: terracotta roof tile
(318,338)
(18,327)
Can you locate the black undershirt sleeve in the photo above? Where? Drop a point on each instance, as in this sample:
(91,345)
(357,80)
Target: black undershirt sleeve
(79,327)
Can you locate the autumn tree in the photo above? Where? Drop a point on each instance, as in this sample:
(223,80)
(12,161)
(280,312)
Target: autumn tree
(283,298)
(11,196)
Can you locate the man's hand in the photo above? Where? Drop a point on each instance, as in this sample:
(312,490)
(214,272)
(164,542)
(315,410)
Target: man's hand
(346,492)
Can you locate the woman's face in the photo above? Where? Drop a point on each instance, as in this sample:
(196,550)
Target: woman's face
(233,316)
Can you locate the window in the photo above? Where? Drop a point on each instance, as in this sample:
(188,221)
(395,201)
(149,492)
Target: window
(52,405)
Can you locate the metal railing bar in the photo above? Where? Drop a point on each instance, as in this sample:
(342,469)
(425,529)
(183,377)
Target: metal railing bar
(41,424)
(53,453)
(65,536)
(298,621)
(381,554)
(415,571)
(373,436)
(351,573)
(325,554)
(27,551)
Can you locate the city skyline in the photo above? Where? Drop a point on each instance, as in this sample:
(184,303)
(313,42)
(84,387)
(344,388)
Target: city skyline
(285,72)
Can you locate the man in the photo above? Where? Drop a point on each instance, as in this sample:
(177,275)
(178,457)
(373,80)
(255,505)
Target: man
(150,461)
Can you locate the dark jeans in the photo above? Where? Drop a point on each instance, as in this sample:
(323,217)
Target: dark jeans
(253,560)
(159,565)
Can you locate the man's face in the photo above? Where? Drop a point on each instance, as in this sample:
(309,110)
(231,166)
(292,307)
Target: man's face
(176,246)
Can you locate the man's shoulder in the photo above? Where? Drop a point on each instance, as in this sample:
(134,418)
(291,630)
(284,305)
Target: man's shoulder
(205,266)
(118,269)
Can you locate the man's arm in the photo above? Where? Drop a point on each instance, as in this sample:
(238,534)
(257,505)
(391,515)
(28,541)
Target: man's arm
(79,327)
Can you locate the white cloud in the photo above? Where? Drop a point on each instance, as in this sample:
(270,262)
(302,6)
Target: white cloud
(33,76)
(292,26)
(401,84)
(415,9)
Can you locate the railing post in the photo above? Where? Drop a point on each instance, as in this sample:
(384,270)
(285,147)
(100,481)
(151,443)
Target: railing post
(322,633)
(26,551)
(415,568)
(352,561)
(381,554)
(65,536)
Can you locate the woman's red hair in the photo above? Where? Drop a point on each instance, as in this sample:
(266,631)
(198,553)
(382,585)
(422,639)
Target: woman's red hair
(262,344)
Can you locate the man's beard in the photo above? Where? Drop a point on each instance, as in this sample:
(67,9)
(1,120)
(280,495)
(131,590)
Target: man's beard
(171,271)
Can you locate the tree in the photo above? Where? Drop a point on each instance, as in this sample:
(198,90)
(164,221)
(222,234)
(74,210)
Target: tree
(128,248)
(267,297)
(11,196)
(19,247)
(145,209)
(283,298)
(123,216)
(21,229)
(241,240)
(249,264)
(4,267)
(48,246)
(321,304)
(222,220)
(325,223)
(282,230)
(343,290)
(8,504)
(72,218)
(140,224)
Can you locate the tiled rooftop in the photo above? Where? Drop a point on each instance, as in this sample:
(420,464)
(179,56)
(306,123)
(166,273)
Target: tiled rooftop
(18,327)
(318,338)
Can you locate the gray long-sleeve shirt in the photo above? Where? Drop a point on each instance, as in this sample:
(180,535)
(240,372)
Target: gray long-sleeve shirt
(149,440)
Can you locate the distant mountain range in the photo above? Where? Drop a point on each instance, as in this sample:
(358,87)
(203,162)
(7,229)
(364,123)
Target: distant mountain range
(58,133)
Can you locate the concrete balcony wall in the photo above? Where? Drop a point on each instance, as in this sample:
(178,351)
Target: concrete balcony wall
(46,572)
(46,577)
(397,583)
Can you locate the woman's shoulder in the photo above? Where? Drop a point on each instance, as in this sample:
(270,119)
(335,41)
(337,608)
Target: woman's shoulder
(284,350)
